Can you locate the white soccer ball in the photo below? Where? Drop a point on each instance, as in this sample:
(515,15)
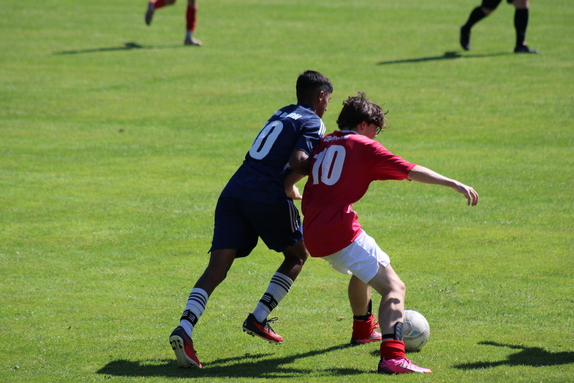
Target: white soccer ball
(416,330)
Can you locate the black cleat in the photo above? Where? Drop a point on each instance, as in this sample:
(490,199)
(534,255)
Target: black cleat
(464,39)
(149,13)
(524,49)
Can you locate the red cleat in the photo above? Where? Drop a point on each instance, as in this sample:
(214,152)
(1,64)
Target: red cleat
(400,366)
(182,345)
(261,329)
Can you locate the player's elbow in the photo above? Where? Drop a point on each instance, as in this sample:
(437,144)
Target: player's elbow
(300,162)
(301,168)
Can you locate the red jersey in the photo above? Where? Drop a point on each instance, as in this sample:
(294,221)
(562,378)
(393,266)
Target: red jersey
(343,166)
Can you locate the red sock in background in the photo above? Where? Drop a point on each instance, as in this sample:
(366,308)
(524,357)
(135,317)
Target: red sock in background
(190,17)
(158,4)
(363,329)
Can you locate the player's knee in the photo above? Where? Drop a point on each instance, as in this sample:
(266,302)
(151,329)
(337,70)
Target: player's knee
(520,4)
(297,254)
(296,257)
(396,289)
(399,288)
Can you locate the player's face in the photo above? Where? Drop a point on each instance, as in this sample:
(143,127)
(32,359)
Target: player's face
(373,130)
(368,129)
(323,104)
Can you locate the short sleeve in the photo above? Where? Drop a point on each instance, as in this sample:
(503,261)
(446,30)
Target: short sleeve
(387,166)
(311,133)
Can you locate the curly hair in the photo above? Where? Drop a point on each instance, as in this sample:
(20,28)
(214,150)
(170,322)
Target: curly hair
(358,109)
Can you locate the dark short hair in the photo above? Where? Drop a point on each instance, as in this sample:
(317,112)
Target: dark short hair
(358,109)
(311,82)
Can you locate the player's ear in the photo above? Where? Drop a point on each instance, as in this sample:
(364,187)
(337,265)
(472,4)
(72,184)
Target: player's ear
(362,126)
(320,96)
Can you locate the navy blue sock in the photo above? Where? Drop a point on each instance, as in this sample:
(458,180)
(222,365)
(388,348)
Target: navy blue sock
(520,24)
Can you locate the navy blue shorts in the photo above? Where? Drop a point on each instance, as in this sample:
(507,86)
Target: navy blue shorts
(239,224)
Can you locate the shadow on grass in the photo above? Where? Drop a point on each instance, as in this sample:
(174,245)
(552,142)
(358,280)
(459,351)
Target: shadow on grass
(126,47)
(527,356)
(445,56)
(247,366)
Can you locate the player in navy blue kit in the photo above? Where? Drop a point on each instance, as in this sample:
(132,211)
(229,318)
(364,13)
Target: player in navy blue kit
(258,203)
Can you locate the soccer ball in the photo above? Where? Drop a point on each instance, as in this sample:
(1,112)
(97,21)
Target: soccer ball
(416,330)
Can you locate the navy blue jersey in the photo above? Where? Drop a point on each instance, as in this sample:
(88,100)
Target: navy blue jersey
(259,177)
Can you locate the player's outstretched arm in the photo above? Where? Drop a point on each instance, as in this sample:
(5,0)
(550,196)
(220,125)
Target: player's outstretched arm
(427,176)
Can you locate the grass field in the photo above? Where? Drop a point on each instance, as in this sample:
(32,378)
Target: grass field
(115,141)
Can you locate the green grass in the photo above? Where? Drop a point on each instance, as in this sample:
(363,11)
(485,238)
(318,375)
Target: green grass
(115,141)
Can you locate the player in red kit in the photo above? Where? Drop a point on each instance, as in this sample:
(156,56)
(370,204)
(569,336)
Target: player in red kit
(190,17)
(343,166)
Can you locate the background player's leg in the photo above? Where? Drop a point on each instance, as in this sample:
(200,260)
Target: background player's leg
(521,16)
(152,6)
(190,23)
(477,14)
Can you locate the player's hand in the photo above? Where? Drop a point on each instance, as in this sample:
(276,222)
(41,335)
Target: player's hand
(470,194)
(293,192)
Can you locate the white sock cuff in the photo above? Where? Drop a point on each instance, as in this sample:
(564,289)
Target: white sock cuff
(282,280)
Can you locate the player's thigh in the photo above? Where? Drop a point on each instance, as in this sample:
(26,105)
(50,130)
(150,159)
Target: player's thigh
(387,280)
(298,252)
(362,258)
(490,4)
(232,229)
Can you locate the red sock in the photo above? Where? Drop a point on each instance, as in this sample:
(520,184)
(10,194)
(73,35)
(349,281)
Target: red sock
(190,17)
(158,4)
(363,328)
(393,349)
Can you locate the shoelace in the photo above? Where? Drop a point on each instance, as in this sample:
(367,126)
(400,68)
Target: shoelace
(405,363)
(270,320)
